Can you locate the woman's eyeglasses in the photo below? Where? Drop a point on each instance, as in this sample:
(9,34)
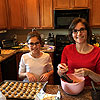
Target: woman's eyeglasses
(36,43)
(81,30)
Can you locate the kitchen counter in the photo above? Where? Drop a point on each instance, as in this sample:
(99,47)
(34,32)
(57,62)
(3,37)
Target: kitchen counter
(6,53)
(84,95)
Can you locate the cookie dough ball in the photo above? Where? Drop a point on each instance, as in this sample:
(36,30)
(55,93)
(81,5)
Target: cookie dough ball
(21,84)
(17,83)
(7,83)
(12,83)
(12,89)
(20,87)
(34,91)
(3,91)
(9,92)
(35,84)
(12,95)
(23,90)
(18,90)
(15,92)
(4,86)
(29,96)
(27,93)
(6,95)
(24,96)
(21,93)
(18,96)
(25,84)
(33,88)
(8,88)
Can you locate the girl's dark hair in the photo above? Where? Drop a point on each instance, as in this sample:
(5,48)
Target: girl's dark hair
(33,34)
(85,23)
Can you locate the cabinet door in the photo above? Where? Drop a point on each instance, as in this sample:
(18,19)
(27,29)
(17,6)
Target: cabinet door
(3,14)
(80,3)
(61,4)
(95,15)
(9,69)
(46,13)
(31,13)
(0,74)
(15,13)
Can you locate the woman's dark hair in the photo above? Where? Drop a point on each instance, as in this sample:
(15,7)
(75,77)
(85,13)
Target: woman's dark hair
(33,34)
(85,23)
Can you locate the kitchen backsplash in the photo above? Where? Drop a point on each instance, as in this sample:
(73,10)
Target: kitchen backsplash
(20,35)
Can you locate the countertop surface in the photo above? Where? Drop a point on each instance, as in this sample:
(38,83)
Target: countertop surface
(84,95)
(6,53)
(53,89)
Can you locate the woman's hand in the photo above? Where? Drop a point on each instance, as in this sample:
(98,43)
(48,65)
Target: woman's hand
(62,68)
(44,77)
(31,77)
(82,72)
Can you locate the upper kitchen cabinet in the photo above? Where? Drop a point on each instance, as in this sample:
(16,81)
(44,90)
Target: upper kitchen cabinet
(61,4)
(80,3)
(31,13)
(3,14)
(46,14)
(15,14)
(94,14)
(71,4)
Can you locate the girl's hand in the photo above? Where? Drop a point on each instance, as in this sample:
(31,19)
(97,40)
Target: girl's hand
(82,72)
(31,77)
(62,68)
(44,77)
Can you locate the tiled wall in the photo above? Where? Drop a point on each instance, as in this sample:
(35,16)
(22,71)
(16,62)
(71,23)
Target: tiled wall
(22,34)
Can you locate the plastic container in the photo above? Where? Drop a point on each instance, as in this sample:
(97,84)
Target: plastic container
(73,88)
(2,97)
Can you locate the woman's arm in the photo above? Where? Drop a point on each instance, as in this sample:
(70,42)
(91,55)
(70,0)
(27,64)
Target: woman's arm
(87,72)
(94,76)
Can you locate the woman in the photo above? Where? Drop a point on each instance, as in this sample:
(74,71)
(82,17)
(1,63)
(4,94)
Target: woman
(35,65)
(81,58)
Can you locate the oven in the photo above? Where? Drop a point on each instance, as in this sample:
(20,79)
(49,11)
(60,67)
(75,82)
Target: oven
(61,42)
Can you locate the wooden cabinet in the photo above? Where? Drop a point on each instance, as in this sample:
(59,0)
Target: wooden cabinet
(31,13)
(3,14)
(15,14)
(61,4)
(80,3)
(46,14)
(0,74)
(95,15)
(9,69)
(70,4)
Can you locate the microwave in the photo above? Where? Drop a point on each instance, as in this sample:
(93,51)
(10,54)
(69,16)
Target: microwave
(63,18)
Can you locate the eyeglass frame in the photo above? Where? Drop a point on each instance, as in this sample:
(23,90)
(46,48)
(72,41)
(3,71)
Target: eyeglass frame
(75,31)
(32,44)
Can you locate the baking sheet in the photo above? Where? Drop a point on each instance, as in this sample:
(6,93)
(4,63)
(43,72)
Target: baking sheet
(21,90)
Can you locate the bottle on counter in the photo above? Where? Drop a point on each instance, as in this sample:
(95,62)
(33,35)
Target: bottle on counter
(51,39)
